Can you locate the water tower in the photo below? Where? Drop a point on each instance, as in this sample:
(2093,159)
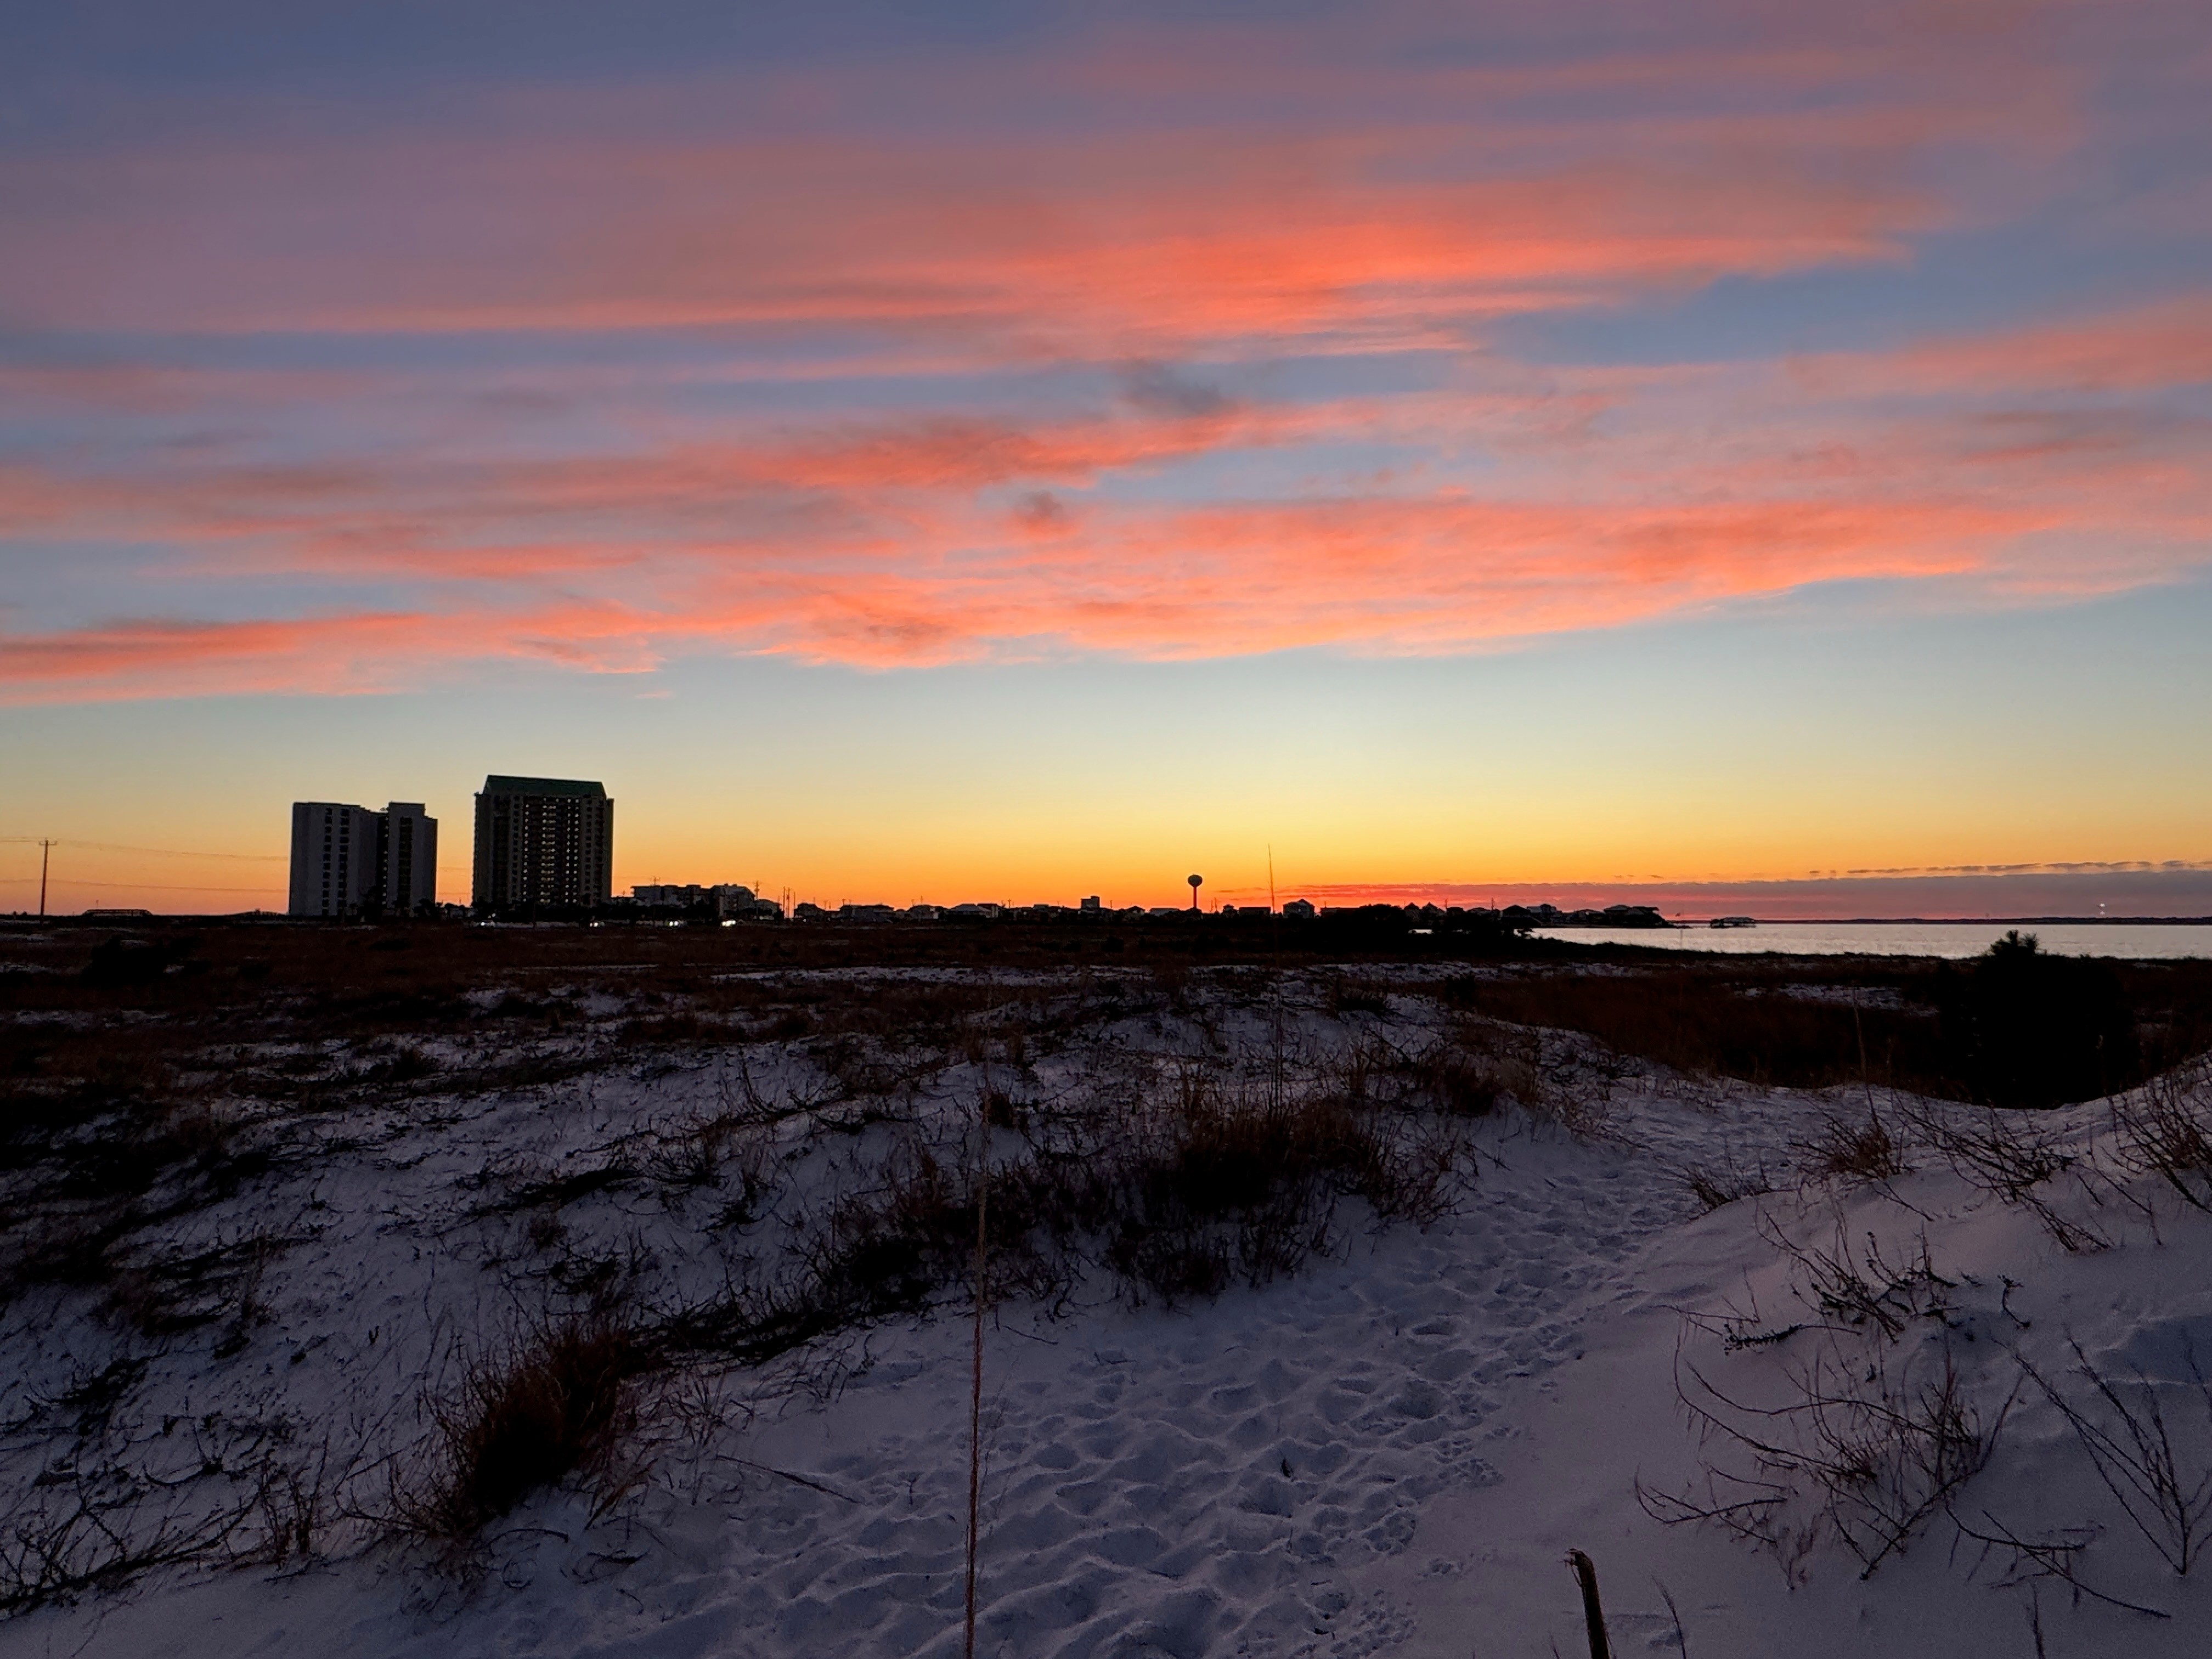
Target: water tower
(1195,882)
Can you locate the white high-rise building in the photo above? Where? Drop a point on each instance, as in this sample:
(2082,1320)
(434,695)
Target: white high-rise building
(408,863)
(347,860)
(333,858)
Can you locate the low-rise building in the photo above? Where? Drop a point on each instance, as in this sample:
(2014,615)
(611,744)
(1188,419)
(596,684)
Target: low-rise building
(733,901)
(667,895)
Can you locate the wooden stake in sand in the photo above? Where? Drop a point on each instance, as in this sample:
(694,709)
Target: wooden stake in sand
(1593,1614)
(975,1373)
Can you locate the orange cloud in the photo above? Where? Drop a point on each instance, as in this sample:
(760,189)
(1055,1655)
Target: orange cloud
(1023,428)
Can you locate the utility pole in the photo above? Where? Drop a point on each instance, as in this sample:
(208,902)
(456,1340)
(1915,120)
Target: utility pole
(45,851)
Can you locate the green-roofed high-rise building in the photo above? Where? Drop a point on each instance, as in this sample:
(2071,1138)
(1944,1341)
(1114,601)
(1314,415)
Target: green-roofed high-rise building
(544,841)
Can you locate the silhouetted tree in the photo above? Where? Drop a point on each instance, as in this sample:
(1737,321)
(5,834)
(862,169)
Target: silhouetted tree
(2025,1027)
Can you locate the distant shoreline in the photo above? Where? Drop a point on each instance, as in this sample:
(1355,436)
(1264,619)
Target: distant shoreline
(1940,922)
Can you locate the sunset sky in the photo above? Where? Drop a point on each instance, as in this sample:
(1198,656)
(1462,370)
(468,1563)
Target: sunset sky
(1017,451)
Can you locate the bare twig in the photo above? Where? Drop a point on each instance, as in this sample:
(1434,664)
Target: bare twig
(2165,1492)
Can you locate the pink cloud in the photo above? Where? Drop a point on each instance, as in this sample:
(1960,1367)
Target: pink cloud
(1155,189)
(947,537)
(2167,342)
(926,253)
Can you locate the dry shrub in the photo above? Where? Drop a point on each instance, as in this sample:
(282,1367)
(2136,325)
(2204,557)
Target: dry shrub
(888,1250)
(553,1406)
(1466,1085)
(1856,1151)
(663,1030)
(2164,1130)
(1866,1288)
(1178,1198)
(2159,1471)
(1997,1151)
(1225,1186)
(1857,1426)
(1723,1185)
(1466,1072)
(403,1063)
(1347,995)
(1862,1448)
(2006,1154)
(707,1149)
(234,1493)
(1002,1110)
(1480,1064)
(73,1249)
(1719,1019)
(78,1533)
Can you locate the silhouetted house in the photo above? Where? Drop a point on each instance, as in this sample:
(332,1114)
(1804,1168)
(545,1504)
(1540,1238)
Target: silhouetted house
(1523,915)
(655,896)
(735,900)
(349,861)
(1302,909)
(726,899)
(544,841)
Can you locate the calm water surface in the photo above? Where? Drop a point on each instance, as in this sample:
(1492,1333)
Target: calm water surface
(1903,939)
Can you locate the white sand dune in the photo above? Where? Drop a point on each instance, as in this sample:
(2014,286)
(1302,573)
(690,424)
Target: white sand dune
(1389,1453)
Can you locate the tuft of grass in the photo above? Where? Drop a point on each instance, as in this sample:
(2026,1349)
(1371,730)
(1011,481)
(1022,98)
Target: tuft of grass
(1347,995)
(1716,1188)
(1856,1152)
(553,1406)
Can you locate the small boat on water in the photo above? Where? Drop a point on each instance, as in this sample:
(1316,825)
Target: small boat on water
(1734,921)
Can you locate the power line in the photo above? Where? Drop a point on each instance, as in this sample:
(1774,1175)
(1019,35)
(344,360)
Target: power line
(143,886)
(158,852)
